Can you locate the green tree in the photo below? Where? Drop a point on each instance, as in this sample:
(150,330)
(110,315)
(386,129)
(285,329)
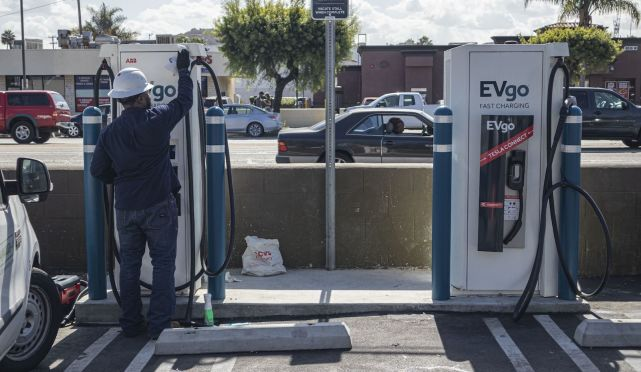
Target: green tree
(584,9)
(425,40)
(190,39)
(278,40)
(108,21)
(8,37)
(591,49)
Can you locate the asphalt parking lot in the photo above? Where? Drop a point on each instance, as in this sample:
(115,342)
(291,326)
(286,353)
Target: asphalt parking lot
(419,342)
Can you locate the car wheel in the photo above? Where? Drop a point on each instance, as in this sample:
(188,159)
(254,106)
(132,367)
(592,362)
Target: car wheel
(632,143)
(255,129)
(73,131)
(23,132)
(340,157)
(40,327)
(44,137)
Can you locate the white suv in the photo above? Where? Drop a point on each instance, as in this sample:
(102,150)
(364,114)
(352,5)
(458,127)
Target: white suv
(30,309)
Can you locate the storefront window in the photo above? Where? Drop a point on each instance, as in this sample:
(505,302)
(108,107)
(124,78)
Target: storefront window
(55,83)
(84,85)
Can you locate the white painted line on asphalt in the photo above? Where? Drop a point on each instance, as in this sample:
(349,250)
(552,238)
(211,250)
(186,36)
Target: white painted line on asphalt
(223,364)
(92,351)
(167,365)
(143,357)
(632,358)
(506,343)
(574,352)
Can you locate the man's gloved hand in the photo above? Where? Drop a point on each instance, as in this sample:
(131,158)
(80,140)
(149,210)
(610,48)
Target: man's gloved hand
(182,61)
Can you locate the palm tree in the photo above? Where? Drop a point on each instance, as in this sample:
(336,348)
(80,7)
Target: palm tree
(108,21)
(584,9)
(8,37)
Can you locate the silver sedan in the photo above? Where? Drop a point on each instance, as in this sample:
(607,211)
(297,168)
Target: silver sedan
(251,120)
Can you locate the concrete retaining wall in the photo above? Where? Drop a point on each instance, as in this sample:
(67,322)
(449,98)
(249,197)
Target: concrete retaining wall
(383,216)
(297,118)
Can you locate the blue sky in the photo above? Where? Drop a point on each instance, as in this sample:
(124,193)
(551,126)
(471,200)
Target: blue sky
(383,21)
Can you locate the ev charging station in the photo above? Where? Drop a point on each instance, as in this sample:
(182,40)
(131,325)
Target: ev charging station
(497,94)
(156,61)
(201,213)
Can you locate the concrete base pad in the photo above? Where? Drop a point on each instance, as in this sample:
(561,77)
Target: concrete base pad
(107,311)
(609,333)
(254,338)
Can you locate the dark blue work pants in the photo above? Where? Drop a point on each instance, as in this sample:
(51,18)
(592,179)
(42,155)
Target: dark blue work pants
(157,227)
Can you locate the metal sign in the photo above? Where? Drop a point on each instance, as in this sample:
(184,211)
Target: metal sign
(322,9)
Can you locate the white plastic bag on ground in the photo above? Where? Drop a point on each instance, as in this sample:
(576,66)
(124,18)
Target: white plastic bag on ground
(262,257)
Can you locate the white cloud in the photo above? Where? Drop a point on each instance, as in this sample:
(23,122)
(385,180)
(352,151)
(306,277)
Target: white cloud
(383,21)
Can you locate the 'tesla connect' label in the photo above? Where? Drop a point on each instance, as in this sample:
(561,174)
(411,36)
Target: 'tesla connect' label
(322,9)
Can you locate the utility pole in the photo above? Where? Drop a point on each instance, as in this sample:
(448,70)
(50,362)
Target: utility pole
(79,20)
(53,43)
(23,84)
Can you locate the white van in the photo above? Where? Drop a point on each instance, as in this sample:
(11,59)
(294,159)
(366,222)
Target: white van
(30,309)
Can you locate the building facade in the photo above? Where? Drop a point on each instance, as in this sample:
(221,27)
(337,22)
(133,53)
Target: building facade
(71,72)
(396,68)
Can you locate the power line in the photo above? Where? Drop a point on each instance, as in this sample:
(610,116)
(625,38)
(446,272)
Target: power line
(34,8)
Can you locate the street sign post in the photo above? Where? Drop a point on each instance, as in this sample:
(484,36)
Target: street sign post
(324,9)
(330,11)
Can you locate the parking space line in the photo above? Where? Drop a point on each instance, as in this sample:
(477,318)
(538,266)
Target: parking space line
(574,352)
(506,343)
(92,351)
(223,364)
(167,365)
(632,358)
(142,358)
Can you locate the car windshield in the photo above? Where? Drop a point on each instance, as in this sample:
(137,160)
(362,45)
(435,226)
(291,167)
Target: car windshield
(321,124)
(60,101)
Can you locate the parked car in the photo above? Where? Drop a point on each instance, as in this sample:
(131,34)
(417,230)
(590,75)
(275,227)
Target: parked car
(607,115)
(32,115)
(368,100)
(213,101)
(30,309)
(406,100)
(251,120)
(73,128)
(361,136)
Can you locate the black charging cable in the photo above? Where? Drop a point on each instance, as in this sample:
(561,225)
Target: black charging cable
(516,182)
(548,197)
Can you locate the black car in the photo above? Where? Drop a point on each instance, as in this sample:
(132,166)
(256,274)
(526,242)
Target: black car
(363,135)
(74,127)
(607,115)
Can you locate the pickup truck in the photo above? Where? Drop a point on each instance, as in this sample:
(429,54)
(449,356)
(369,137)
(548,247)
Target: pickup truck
(607,115)
(30,309)
(32,115)
(404,100)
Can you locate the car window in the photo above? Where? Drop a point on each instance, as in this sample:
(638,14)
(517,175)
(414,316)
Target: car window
(28,99)
(604,100)
(243,110)
(407,119)
(581,99)
(408,100)
(321,124)
(60,101)
(370,125)
(391,101)
(231,110)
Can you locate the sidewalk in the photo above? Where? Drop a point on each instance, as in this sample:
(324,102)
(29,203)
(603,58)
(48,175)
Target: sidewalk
(309,293)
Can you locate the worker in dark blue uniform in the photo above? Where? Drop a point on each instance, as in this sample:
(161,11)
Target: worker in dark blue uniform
(133,154)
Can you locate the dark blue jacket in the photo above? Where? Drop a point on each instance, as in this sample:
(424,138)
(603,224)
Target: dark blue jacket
(133,152)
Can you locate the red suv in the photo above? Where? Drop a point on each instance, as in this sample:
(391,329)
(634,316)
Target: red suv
(32,115)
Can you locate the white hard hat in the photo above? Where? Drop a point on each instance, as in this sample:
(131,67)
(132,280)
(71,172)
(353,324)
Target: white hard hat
(129,82)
